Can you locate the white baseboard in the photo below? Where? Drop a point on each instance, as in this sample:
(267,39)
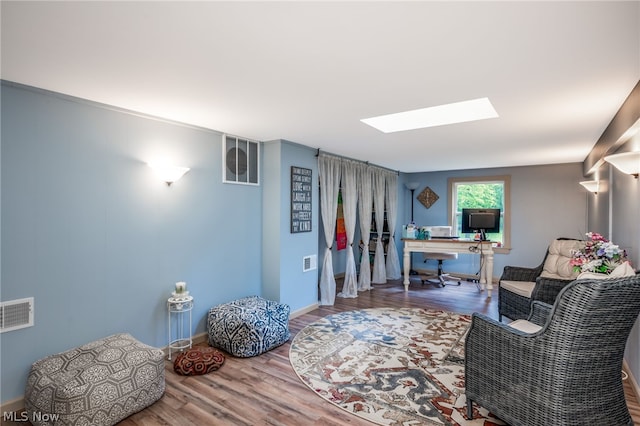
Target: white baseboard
(304,310)
(201,337)
(12,406)
(195,339)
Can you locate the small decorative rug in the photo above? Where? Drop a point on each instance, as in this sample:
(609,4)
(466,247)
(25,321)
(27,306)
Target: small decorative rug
(391,366)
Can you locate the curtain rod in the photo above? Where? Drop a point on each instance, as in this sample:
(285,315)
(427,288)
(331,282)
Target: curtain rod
(358,161)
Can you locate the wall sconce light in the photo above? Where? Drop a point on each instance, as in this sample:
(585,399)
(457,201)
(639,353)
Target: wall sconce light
(591,185)
(626,162)
(168,173)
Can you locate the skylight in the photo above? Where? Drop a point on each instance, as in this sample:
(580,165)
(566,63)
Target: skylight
(458,112)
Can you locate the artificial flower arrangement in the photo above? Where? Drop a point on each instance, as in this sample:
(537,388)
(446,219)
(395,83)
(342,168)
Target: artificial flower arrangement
(599,255)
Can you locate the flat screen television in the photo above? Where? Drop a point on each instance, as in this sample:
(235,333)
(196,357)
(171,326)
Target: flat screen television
(484,221)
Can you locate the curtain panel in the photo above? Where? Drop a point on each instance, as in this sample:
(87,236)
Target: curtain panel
(365,197)
(349,206)
(393,262)
(329,169)
(379,268)
(364,188)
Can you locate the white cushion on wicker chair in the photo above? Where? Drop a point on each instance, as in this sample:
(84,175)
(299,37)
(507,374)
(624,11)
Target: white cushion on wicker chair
(521,288)
(524,325)
(557,265)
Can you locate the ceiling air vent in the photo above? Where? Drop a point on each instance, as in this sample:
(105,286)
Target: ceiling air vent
(16,314)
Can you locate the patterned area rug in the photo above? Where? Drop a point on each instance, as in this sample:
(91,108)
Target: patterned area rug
(393,366)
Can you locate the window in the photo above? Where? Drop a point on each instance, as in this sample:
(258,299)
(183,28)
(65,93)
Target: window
(241,160)
(482,192)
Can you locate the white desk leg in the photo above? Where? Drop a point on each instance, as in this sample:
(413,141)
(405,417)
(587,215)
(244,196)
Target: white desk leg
(407,267)
(483,271)
(489,273)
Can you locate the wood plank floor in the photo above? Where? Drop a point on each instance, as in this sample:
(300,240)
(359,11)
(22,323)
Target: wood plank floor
(265,390)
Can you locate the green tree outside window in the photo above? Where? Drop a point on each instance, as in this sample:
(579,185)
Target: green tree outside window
(483,195)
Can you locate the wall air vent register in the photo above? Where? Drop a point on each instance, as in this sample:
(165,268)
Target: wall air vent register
(309,263)
(16,314)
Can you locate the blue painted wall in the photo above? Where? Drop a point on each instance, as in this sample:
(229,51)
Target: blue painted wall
(283,252)
(546,202)
(614,213)
(89,231)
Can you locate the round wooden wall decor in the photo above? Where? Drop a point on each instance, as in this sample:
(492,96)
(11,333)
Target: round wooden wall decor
(427,197)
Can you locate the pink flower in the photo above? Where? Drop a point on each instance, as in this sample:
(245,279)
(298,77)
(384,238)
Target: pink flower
(598,255)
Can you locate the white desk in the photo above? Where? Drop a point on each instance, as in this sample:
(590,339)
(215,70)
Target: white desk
(483,248)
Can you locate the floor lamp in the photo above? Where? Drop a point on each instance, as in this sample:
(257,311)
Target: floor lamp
(412,186)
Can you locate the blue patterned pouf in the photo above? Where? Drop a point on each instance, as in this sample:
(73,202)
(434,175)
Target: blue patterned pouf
(249,326)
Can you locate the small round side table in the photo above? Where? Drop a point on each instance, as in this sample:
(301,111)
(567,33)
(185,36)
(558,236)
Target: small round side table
(179,308)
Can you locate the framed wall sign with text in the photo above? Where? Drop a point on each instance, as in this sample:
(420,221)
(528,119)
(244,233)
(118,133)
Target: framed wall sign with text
(301,180)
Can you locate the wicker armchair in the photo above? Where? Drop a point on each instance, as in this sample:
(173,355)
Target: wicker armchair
(519,286)
(566,373)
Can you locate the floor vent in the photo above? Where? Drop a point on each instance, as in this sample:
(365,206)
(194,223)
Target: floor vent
(16,314)
(309,263)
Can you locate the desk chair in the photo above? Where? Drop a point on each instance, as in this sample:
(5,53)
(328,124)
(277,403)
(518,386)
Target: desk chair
(439,231)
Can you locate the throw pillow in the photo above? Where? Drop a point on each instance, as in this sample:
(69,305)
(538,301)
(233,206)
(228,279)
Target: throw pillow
(198,360)
(622,270)
(558,262)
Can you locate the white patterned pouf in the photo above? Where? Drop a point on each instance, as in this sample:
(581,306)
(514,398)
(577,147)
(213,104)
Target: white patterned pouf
(249,326)
(99,383)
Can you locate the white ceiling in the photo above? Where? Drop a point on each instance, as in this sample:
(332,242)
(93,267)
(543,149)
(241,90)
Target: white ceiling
(307,72)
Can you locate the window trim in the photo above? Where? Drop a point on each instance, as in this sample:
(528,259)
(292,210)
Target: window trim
(506,215)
